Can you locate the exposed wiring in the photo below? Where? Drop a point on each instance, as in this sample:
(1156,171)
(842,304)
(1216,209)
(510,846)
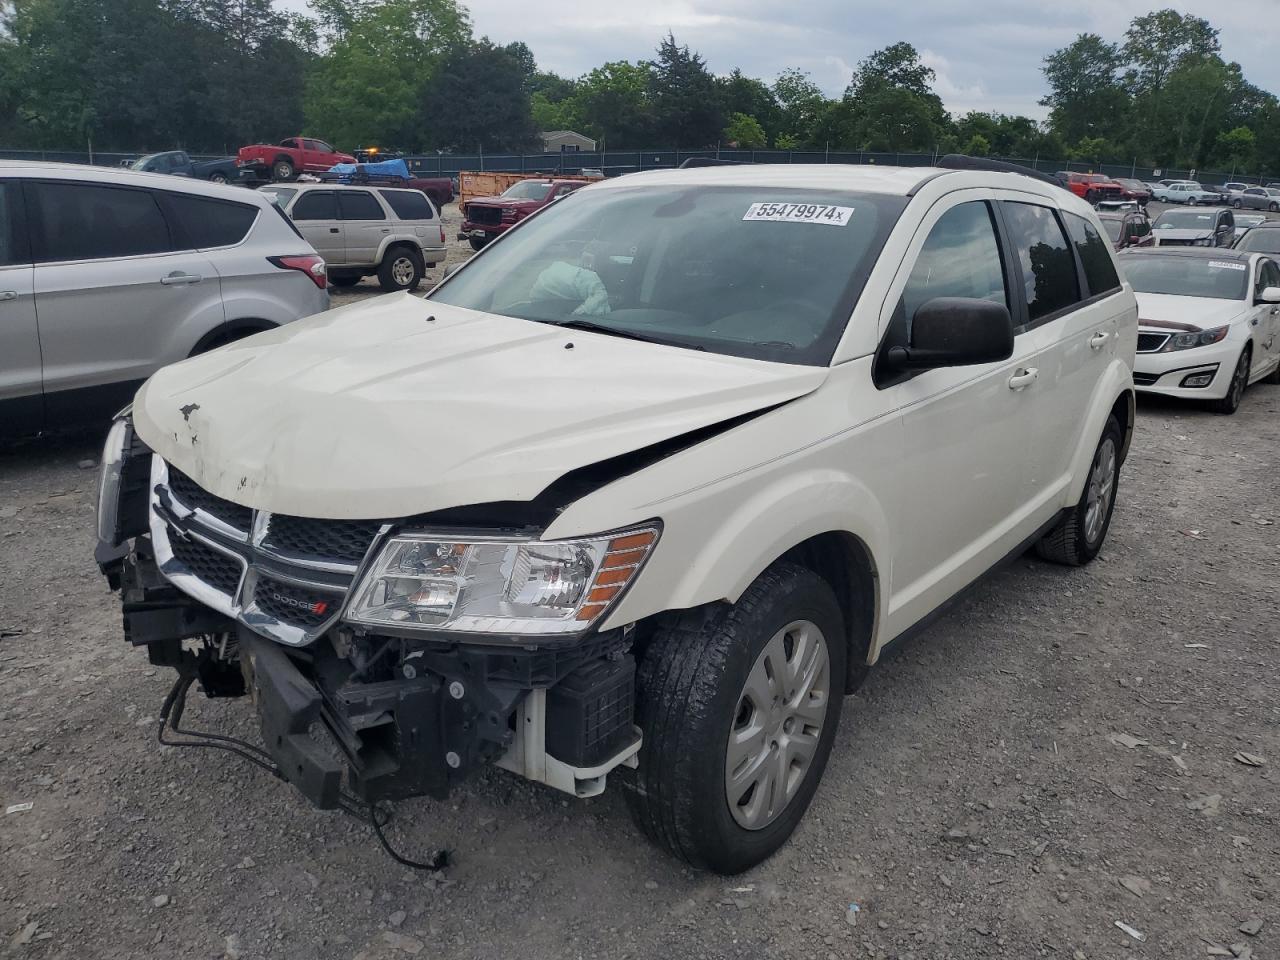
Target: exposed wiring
(171,716)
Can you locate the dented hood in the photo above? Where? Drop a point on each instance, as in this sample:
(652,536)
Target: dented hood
(397,406)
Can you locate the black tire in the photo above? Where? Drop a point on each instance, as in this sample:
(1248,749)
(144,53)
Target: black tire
(344,279)
(1274,376)
(401,269)
(218,177)
(1237,203)
(690,691)
(1192,201)
(1273,207)
(1091,197)
(1239,381)
(283,171)
(1075,541)
(477,243)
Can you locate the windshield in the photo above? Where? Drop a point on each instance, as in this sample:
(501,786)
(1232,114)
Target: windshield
(1260,241)
(758,272)
(1185,220)
(1113,228)
(527,190)
(1187,276)
(141,162)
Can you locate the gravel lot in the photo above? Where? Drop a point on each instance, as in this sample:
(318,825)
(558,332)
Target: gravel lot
(1061,752)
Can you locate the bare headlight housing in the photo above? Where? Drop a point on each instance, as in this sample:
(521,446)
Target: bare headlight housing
(436,582)
(109,480)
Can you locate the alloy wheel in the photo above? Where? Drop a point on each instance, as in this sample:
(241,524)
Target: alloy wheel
(777,724)
(1102,488)
(402,271)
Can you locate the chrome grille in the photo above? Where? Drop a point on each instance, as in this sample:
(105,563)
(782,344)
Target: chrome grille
(282,576)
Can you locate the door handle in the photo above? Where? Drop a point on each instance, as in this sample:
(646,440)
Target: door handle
(1023,378)
(177,277)
(386,229)
(8,294)
(1098,339)
(333,229)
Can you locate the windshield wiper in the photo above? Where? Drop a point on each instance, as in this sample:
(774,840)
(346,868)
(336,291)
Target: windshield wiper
(593,327)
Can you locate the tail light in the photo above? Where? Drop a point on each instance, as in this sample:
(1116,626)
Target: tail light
(442,234)
(311,265)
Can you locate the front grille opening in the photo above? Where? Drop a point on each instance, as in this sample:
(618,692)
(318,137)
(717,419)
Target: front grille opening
(190,494)
(1149,342)
(344,541)
(206,564)
(291,604)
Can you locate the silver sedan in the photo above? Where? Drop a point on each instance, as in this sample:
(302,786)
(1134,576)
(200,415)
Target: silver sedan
(1258,198)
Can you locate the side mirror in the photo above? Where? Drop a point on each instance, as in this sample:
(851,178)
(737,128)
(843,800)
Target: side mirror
(955,332)
(1270,295)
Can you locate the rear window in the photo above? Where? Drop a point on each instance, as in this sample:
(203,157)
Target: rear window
(203,223)
(359,205)
(1048,269)
(1095,255)
(409,204)
(83,221)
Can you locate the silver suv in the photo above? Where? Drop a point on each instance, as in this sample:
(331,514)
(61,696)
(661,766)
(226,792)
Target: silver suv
(392,232)
(128,272)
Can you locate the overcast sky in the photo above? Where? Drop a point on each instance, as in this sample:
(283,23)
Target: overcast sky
(987,54)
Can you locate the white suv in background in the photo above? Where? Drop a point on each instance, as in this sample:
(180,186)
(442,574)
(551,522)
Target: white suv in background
(127,272)
(646,487)
(391,232)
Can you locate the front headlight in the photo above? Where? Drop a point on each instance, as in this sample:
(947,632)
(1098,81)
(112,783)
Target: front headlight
(1202,338)
(492,586)
(109,480)
(1204,242)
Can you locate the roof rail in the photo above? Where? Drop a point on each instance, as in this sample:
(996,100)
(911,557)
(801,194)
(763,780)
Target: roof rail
(958,161)
(692,162)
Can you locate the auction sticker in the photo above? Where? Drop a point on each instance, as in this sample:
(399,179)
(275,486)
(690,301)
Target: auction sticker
(800,213)
(1228,265)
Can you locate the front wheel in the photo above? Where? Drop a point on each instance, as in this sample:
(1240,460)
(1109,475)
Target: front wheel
(1091,197)
(1192,201)
(739,707)
(1078,536)
(1274,207)
(1235,392)
(401,269)
(1237,204)
(478,243)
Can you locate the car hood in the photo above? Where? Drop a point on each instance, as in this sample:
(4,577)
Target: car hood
(1193,313)
(503,202)
(1174,233)
(398,406)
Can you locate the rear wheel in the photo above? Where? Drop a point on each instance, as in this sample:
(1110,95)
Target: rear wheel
(1237,203)
(1274,207)
(401,269)
(283,171)
(218,177)
(1078,536)
(1235,392)
(739,707)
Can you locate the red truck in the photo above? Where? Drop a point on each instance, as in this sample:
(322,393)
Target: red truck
(283,161)
(1092,186)
(486,217)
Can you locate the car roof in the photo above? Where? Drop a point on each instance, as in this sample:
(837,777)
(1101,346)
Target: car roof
(867,178)
(308,185)
(1199,209)
(121,176)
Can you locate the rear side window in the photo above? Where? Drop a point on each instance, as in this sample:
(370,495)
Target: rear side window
(12,240)
(359,205)
(409,204)
(316,205)
(203,223)
(1095,254)
(960,258)
(1048,268)
(82,221)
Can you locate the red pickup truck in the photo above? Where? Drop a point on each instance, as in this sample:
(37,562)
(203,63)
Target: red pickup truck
(283,161)
(486,217)
(1092,186)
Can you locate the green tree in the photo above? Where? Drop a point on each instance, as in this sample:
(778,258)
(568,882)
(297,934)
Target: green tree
(889,105)
(1092,150)
(477,102)
(742,94)
(1085,96)
(1237,146)
(802,103)
(745,132)
(613,104)
(1155,45)
(686,108)
(978,146)
(382,58)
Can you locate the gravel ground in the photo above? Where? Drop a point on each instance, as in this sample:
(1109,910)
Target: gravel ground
(1061,752)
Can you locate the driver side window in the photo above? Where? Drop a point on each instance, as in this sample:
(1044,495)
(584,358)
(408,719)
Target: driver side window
(960,258)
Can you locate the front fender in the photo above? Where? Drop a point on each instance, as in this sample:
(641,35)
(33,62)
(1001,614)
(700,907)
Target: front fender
(1116,384)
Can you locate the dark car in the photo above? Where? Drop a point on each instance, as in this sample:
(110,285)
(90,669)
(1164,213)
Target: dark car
(1134,190)
(179,164)
(1198,227)
(1264,238)
(1130,229)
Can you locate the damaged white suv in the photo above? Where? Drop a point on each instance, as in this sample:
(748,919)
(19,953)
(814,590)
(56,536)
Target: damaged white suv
(639,493)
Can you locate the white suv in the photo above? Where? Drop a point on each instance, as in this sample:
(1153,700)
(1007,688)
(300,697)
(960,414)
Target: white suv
(649,484)
(107,275)
(391,232)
